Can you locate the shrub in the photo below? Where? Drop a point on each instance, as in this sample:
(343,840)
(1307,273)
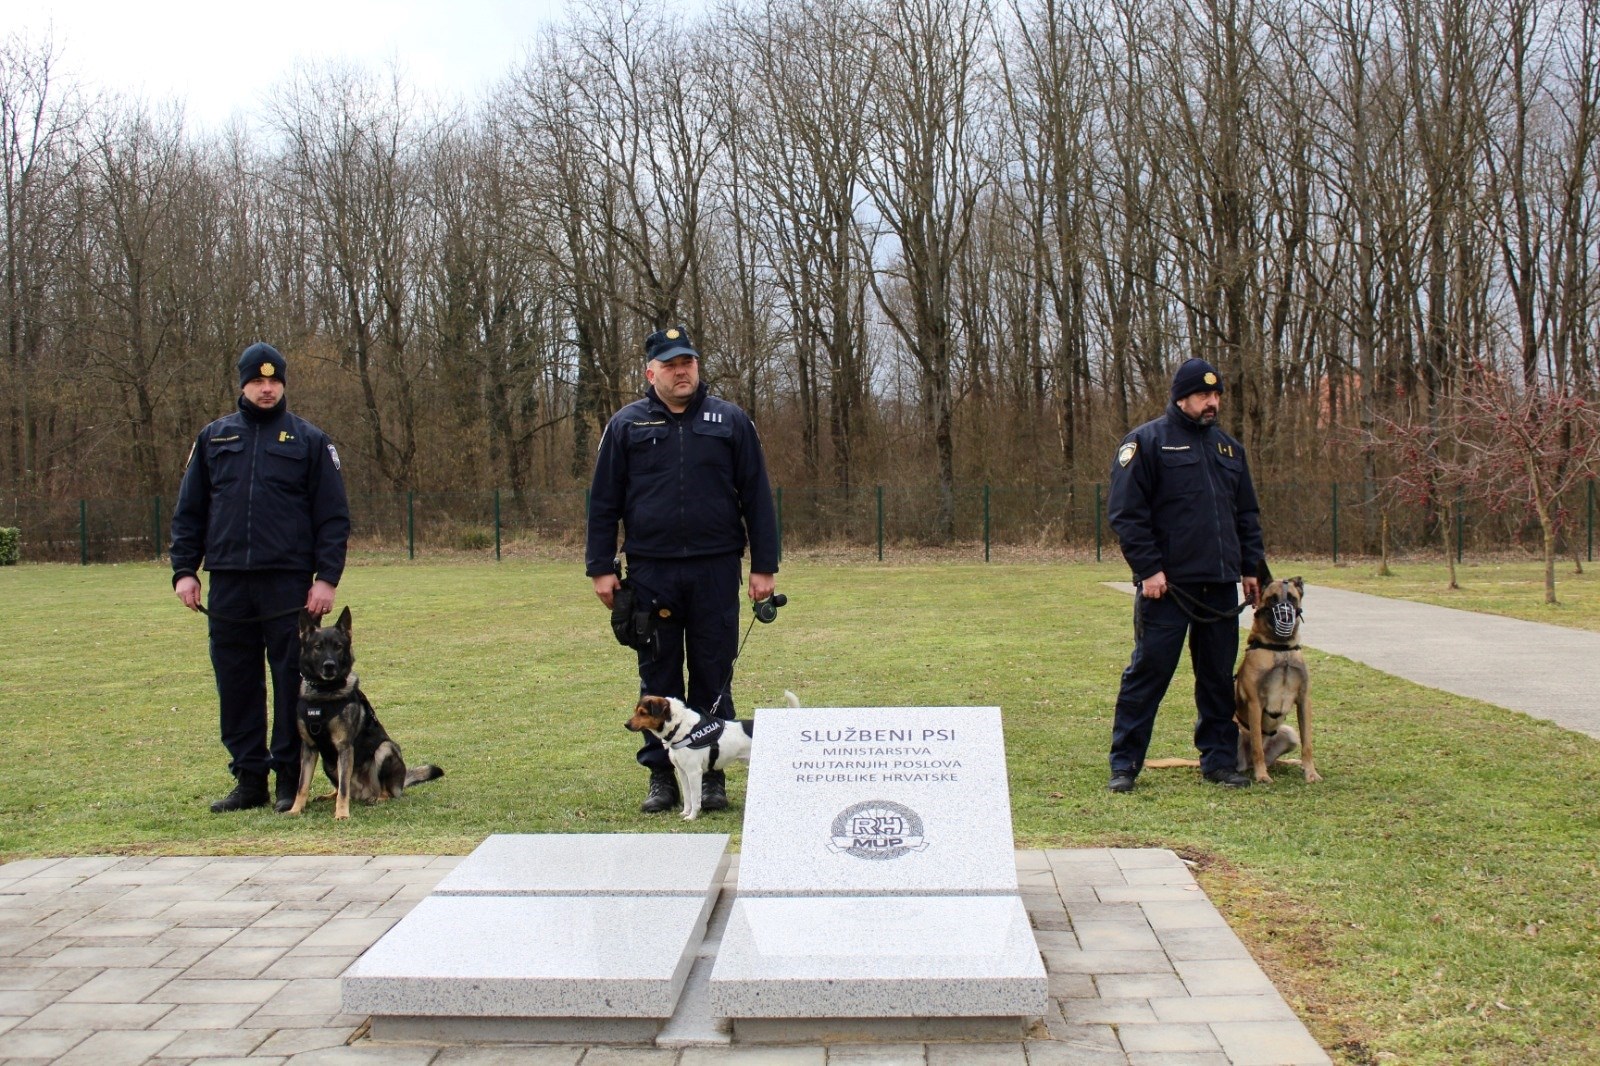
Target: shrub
(10,545)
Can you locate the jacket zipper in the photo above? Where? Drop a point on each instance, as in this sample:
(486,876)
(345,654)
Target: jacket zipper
(250,496)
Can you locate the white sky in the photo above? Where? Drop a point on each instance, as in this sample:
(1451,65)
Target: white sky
(222,58)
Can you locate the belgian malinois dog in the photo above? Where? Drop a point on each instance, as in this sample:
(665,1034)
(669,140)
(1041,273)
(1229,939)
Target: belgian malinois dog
(337,722)
(1272,678)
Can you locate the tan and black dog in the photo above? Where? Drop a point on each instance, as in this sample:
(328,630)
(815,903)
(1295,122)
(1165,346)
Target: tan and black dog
(1272,678)
(337,722)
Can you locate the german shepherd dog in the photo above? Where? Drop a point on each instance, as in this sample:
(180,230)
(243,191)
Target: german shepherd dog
(1272,678)
(337,722)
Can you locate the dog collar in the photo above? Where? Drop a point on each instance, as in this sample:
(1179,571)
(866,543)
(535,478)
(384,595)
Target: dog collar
(317,692)
(1271,647)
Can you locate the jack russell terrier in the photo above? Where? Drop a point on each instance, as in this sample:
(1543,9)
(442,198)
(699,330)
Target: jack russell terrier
(695,742)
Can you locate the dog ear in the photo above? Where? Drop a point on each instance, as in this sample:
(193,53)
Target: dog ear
(308,623)
(1299,584)
(344,621)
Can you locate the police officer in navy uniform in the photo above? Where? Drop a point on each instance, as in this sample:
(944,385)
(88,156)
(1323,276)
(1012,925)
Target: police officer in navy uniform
(263,506)
(1185,510)
(684,473)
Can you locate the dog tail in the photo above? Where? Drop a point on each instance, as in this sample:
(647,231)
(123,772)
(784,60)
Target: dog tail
(790,698)
(416,775)
(1167,764)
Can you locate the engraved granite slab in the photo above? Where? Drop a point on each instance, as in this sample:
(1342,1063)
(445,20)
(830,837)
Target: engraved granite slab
(590,864)
(531,957)
(863,801)
(878,957)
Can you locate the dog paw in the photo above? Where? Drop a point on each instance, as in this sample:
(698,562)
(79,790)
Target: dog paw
(1312,776)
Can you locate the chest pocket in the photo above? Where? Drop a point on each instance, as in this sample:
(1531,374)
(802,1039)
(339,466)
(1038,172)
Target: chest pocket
(1181,474)
(649,449)
(225,460)
(284,464)
(715,442)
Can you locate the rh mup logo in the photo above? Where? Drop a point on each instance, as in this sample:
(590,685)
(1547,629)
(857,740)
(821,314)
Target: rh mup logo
(877,829)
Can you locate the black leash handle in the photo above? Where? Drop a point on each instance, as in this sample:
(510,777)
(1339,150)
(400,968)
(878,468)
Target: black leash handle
(246,621)
(1196,611)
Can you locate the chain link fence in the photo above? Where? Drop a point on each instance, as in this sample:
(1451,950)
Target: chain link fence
(1327,520)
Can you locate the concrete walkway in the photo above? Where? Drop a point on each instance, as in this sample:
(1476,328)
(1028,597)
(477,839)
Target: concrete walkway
(173,961)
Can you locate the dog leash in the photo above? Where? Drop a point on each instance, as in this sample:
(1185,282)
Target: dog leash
(246,621)
(1196,611)
(729,682)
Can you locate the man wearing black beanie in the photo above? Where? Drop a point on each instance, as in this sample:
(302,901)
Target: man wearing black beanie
(1183,506)
(262,506)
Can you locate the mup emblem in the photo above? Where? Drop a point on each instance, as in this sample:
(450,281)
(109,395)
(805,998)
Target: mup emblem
(1210,378)
(672,334)
(877,829)
(267,370)
(1126,453)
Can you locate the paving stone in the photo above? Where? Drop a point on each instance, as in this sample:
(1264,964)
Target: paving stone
(1056,1053)
(116,1049)
(40,1043)
(1007,1054)
(187,991)
(67,978)
(126,928)
(1146,893)
(1162,1036)
(617,1056)
(1222,1009)
(121,986)
(234,962)
(198,936)
(307,996)
(230,1043)
(1107,1011)
(97,1016)
(208,913)
(1139,985)
(205,1016)
(1285,1043)
(1183,945)
(877,1055)
(1178,1058)
(352,932)
(296,1041)
(23,868)
(1225,977)
(813,1055)
(300,966)
(128,955)
(283,937)
(517,1055)
(1072,986)
(26,1002)
(1115,936)
(1097,962)
(364,1055)
(1193,914)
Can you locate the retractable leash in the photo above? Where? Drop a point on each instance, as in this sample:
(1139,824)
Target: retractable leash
(762,611)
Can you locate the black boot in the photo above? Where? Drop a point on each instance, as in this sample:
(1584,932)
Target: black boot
(288,785)
(714,791)
(663,794)
(251,791)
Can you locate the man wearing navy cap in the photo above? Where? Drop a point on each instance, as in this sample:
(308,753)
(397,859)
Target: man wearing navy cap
(262,505)
(1183,506)
(684,473)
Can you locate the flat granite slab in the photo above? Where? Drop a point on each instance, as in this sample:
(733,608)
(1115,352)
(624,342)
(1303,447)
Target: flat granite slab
(878,957)
(866,801)
(590,864)
(532,957)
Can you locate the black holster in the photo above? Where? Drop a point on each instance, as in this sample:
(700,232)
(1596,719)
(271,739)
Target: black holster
(633,623)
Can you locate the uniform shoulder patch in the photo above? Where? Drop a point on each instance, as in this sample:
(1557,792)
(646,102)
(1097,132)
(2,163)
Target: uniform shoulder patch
(333,453)
(1126,453)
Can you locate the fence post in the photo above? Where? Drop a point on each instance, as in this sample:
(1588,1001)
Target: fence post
(83,532)
(497,525)
(1335,523)
(985,523)
(1097,521)
(880,524)
(155,524)
(411,524)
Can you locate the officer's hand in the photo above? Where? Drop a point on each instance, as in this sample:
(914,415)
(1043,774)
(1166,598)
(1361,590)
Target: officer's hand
(606,586)
(1154,586)
(1252,590)
(319,601)
(761,586)
(188,590)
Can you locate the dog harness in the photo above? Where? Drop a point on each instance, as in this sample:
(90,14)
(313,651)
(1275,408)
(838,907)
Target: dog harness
(705,735)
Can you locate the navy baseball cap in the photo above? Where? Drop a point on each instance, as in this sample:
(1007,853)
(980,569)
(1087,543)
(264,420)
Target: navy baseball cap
(261,361)
(670,343)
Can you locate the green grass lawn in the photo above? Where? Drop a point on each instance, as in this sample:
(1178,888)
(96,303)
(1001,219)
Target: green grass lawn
(1435,899)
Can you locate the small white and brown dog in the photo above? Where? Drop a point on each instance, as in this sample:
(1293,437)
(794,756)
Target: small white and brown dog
(695,742)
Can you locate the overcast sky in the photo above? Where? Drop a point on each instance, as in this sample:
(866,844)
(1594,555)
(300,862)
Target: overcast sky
(223,57)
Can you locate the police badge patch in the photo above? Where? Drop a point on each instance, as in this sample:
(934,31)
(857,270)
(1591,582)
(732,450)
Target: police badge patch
(1126,453)
(334,455)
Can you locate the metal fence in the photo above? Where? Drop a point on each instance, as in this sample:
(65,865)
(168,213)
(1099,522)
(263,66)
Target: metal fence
(1316,520)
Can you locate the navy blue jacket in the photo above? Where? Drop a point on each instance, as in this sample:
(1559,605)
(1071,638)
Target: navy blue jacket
(262,492)
(682,486)
(1182,502)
